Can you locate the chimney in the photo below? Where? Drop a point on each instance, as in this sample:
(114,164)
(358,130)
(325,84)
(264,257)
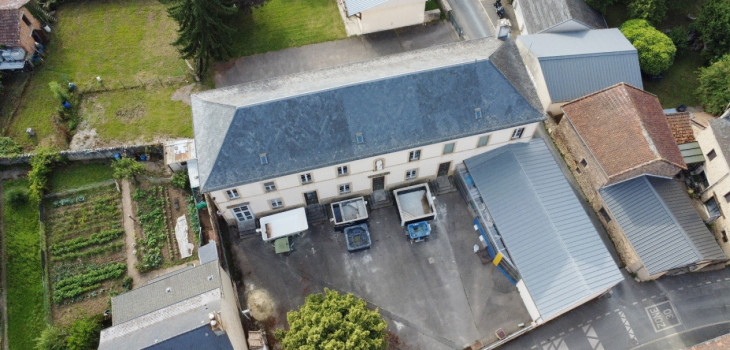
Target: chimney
(215,323)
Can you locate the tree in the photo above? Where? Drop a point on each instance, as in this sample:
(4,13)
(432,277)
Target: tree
(40,164)
(713,22)
(126,168)
(333,321)
(203,32)
(653,11)
(83,334)
(656,50)
(714,88)
(600,5)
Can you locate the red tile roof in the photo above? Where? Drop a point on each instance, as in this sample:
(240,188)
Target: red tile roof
(10,21)
(624,127)
(681,127)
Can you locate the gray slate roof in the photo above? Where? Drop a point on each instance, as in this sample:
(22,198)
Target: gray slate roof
(721,130)
(661,224)
(543,14)
(309,120)
(196,339)
(357,6)
(154,296)
(548,234)
(575,64)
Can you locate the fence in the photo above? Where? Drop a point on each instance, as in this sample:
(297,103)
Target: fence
(91,154)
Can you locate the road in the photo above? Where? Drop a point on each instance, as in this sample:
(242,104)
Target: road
(471,16)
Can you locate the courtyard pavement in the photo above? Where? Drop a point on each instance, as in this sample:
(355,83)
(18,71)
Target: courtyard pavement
(435,294)
(332,53)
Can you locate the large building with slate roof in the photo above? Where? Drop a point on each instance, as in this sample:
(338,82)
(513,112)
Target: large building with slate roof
(661,226)
(553,251)
(176,311)
(566,66)
(714,142)
(321,136)
(538,16)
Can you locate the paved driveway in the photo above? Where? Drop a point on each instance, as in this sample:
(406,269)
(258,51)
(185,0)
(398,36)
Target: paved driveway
(332,54)
(434,295)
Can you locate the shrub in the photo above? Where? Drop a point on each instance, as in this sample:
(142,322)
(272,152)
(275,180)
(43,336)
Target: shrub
(126,168)
(83,334)
(52,338)
(680,38)
(713,22)
(41,163)
(714,88)
(600,5)
(180,180)
(8,147)
(653,11)
(17,197)
(656,50)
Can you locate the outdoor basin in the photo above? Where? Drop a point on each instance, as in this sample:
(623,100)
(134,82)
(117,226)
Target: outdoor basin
(418,231)
(357,237)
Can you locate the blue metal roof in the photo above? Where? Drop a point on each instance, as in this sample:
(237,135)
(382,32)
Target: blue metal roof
(575,64)
(661,224)
(548,235)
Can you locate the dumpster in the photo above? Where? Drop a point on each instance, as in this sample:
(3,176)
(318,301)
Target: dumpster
(357,237)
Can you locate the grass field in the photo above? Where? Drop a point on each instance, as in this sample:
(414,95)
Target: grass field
(26,315)
(78,174)
(126,43)
(287,23)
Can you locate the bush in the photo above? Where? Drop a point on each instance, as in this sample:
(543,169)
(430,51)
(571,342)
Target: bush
(600,5)
(83,334)
(180,180)
(713,22)
(680,38)
(52,338)
(8,147)
(653,11)
(126,168)
(714,88)
(17,197)
(41,163)
(656,50)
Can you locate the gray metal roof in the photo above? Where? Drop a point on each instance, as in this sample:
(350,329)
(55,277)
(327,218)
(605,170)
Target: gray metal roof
(357,6)
(156,295)
(721,129)
(549,236)
(208,253)
(661,224)
(196,339)
(540,15)
(309,120)
(575,64)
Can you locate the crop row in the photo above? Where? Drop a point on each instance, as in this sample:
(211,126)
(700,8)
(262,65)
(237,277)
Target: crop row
(152,218)
(79,243)
(71,287)
(108,248)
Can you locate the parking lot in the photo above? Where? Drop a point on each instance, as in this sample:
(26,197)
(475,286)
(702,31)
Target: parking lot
(435,294)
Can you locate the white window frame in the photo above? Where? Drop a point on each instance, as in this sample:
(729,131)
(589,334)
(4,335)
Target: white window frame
(453,147)
(486,141)
(517,134)
(344,188)
(343,170)
(276,203)
(305,178)
(243,213)
(414,155)
(411,174)
(268,188)
(232,193)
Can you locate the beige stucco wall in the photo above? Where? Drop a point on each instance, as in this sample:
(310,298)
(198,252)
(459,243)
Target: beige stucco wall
(535,72)
(393,14)
(326,181)
(230,316)
(520,17)
(717,172)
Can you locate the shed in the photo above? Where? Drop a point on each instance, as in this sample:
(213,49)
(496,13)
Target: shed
(561,260)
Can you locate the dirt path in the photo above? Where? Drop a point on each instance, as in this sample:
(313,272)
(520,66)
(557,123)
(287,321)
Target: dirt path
(129,229)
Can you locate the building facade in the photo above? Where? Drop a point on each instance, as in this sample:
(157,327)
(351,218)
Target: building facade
(19,33)
(715,144)
(379,15)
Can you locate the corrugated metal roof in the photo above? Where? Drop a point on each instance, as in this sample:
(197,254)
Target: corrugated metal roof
(575,64)
(540,15)
(357,6)
(660,223)
(691,152)
(548,234)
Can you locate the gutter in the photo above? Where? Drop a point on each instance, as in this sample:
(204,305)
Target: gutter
(509,337)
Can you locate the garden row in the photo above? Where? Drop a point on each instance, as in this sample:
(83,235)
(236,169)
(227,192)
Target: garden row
(151,207)
(73,287)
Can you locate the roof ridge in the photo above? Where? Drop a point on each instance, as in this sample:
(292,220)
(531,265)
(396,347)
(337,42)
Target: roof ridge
(640,117)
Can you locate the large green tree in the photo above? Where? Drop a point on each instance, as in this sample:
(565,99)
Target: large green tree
(600,5)
(653,11)
(714,24)
(333,321)
(714,88)
(656,50)
(203,31)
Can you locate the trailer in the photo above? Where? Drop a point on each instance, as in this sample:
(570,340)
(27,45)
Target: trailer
(281,226)
(349,212)
(415,204)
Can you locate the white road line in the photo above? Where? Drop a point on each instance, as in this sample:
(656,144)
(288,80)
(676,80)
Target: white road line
(680,288)
(608,314)
(627,325)
(592,337)
(634,303)
(570,329)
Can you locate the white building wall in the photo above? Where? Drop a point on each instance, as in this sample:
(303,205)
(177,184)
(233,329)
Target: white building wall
(534,70)
(717,172)
(326,182)
(520,17)
(393,14)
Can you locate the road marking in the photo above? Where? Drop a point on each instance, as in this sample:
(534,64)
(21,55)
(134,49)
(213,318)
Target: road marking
(653,296)
(533,347)
(557,344)
(615,310)
(561,334)
(680,288)
(608,314)
(592,337)
(644,300)
(634,303)
(662,316)
(570,329)
(598,317)
(708,282)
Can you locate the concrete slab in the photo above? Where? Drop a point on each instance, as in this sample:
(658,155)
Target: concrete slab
(435,294)
(332,53)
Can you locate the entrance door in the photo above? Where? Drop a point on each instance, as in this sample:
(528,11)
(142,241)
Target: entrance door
(311,198)
(444,169)
(378,183)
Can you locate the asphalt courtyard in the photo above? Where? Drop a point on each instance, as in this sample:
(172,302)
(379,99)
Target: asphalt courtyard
(435,294)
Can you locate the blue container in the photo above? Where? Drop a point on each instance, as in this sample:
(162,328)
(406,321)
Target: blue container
(419,230)
(66,105)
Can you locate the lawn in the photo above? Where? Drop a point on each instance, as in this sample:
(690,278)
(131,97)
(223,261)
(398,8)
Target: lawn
(26,315)
(12,89)
(680,81)
(280,24)
(125,42)
(78,174)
